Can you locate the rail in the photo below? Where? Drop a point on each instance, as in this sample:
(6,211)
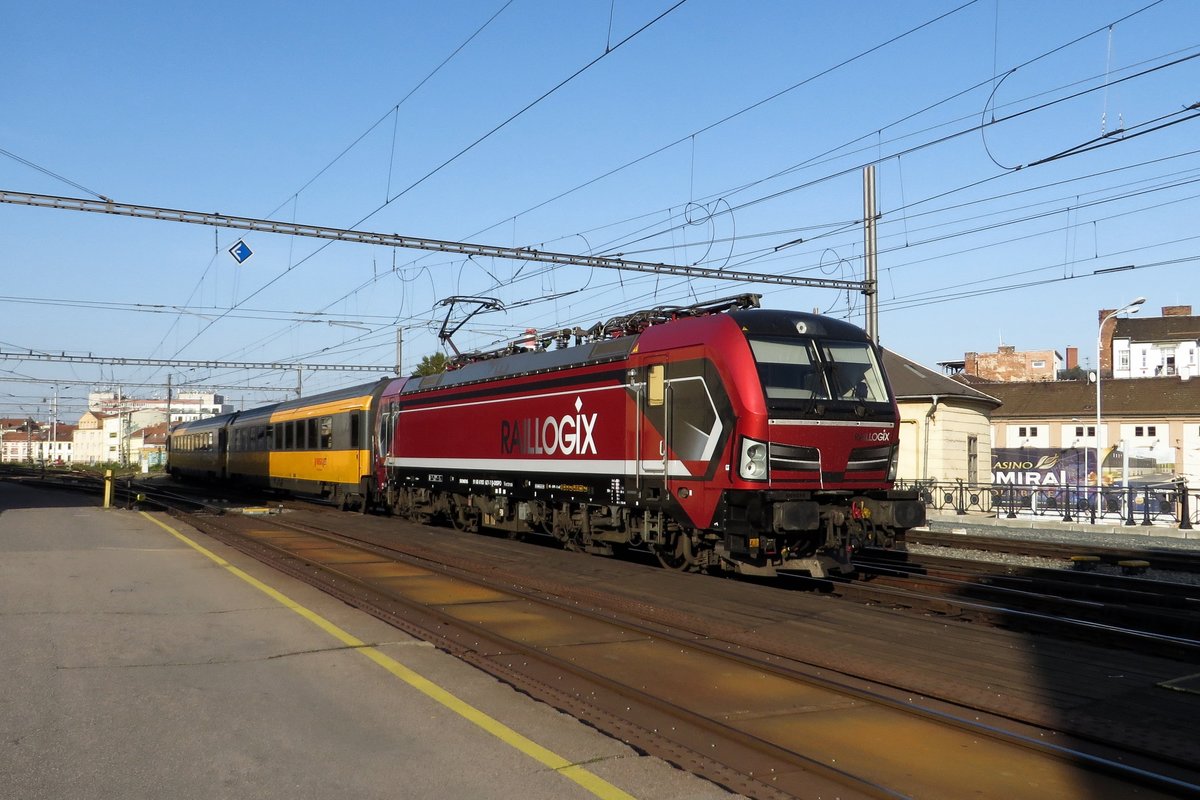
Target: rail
(1170,504)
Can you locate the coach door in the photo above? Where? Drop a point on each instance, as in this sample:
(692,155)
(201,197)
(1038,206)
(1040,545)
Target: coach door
(222,454)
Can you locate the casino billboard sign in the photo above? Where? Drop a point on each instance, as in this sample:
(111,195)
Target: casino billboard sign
(1043,466)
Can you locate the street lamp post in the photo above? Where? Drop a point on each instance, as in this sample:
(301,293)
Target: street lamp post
(1132,308)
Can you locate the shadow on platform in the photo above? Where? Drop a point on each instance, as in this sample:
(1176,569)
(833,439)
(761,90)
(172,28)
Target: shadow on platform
(16,495)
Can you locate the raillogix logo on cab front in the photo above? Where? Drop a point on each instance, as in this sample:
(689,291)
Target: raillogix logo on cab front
(568,435)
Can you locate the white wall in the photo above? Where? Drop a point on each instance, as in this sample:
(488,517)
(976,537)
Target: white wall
(1027,434)
(1149,359)
(1190,445)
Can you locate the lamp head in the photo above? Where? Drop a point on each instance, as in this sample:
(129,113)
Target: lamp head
(1135,306)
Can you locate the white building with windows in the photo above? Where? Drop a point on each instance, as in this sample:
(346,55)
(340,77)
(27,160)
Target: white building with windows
(97,438)
(1153,347)
(38,447)
(185,407)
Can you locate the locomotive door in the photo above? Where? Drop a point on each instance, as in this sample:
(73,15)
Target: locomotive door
(652,428)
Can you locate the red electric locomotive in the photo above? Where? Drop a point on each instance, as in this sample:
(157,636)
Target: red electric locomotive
(723,436)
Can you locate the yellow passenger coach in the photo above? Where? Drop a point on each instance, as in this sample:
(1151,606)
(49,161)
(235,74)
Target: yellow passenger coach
(316,446)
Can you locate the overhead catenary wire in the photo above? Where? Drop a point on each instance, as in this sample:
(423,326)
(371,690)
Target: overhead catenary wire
(547,94)
(1080,38)
(501,276)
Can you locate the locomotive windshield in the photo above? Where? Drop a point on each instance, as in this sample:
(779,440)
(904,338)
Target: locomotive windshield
(801,369)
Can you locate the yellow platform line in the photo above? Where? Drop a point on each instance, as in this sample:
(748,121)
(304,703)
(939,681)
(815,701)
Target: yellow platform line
(593,783)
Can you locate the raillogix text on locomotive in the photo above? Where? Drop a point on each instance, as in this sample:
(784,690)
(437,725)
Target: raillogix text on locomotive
(722,436)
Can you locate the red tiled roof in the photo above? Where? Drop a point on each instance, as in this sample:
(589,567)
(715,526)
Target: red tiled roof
(1125,397)
(1158,329)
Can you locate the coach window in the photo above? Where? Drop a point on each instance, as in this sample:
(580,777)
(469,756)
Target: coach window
(326,433)
(289,431)
(355,430)
(313,441)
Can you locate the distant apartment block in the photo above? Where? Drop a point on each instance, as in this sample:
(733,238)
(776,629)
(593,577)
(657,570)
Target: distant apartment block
(186,407)
(37,445)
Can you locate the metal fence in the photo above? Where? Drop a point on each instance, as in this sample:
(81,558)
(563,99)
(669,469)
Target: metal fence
(1170,504)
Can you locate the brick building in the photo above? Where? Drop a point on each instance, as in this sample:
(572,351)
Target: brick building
(1007,364)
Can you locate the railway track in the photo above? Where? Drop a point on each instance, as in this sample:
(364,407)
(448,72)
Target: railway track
(758,724)
(1158,558)
(1112,611)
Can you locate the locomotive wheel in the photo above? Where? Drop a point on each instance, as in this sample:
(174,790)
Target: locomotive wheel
(678,557)
(462,516)
(574,541)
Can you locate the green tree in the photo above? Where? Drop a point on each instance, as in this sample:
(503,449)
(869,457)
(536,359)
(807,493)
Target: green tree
(1073,374)
(431,365)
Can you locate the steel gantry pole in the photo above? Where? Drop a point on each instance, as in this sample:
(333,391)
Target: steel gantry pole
(414,242)
(268,366)
(870,284)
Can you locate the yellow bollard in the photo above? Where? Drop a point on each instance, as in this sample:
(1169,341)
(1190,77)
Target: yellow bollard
(108,488)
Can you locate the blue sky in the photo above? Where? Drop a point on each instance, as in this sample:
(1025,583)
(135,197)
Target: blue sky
(310,114)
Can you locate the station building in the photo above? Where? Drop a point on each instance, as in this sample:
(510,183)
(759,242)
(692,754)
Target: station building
(945,425)
(1149,373)
(1157,417)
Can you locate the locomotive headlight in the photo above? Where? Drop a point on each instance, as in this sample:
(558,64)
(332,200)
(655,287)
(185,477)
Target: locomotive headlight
(753,463)
(894,463)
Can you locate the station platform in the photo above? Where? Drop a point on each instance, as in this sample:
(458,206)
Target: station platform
(1052,528)
(143,660)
